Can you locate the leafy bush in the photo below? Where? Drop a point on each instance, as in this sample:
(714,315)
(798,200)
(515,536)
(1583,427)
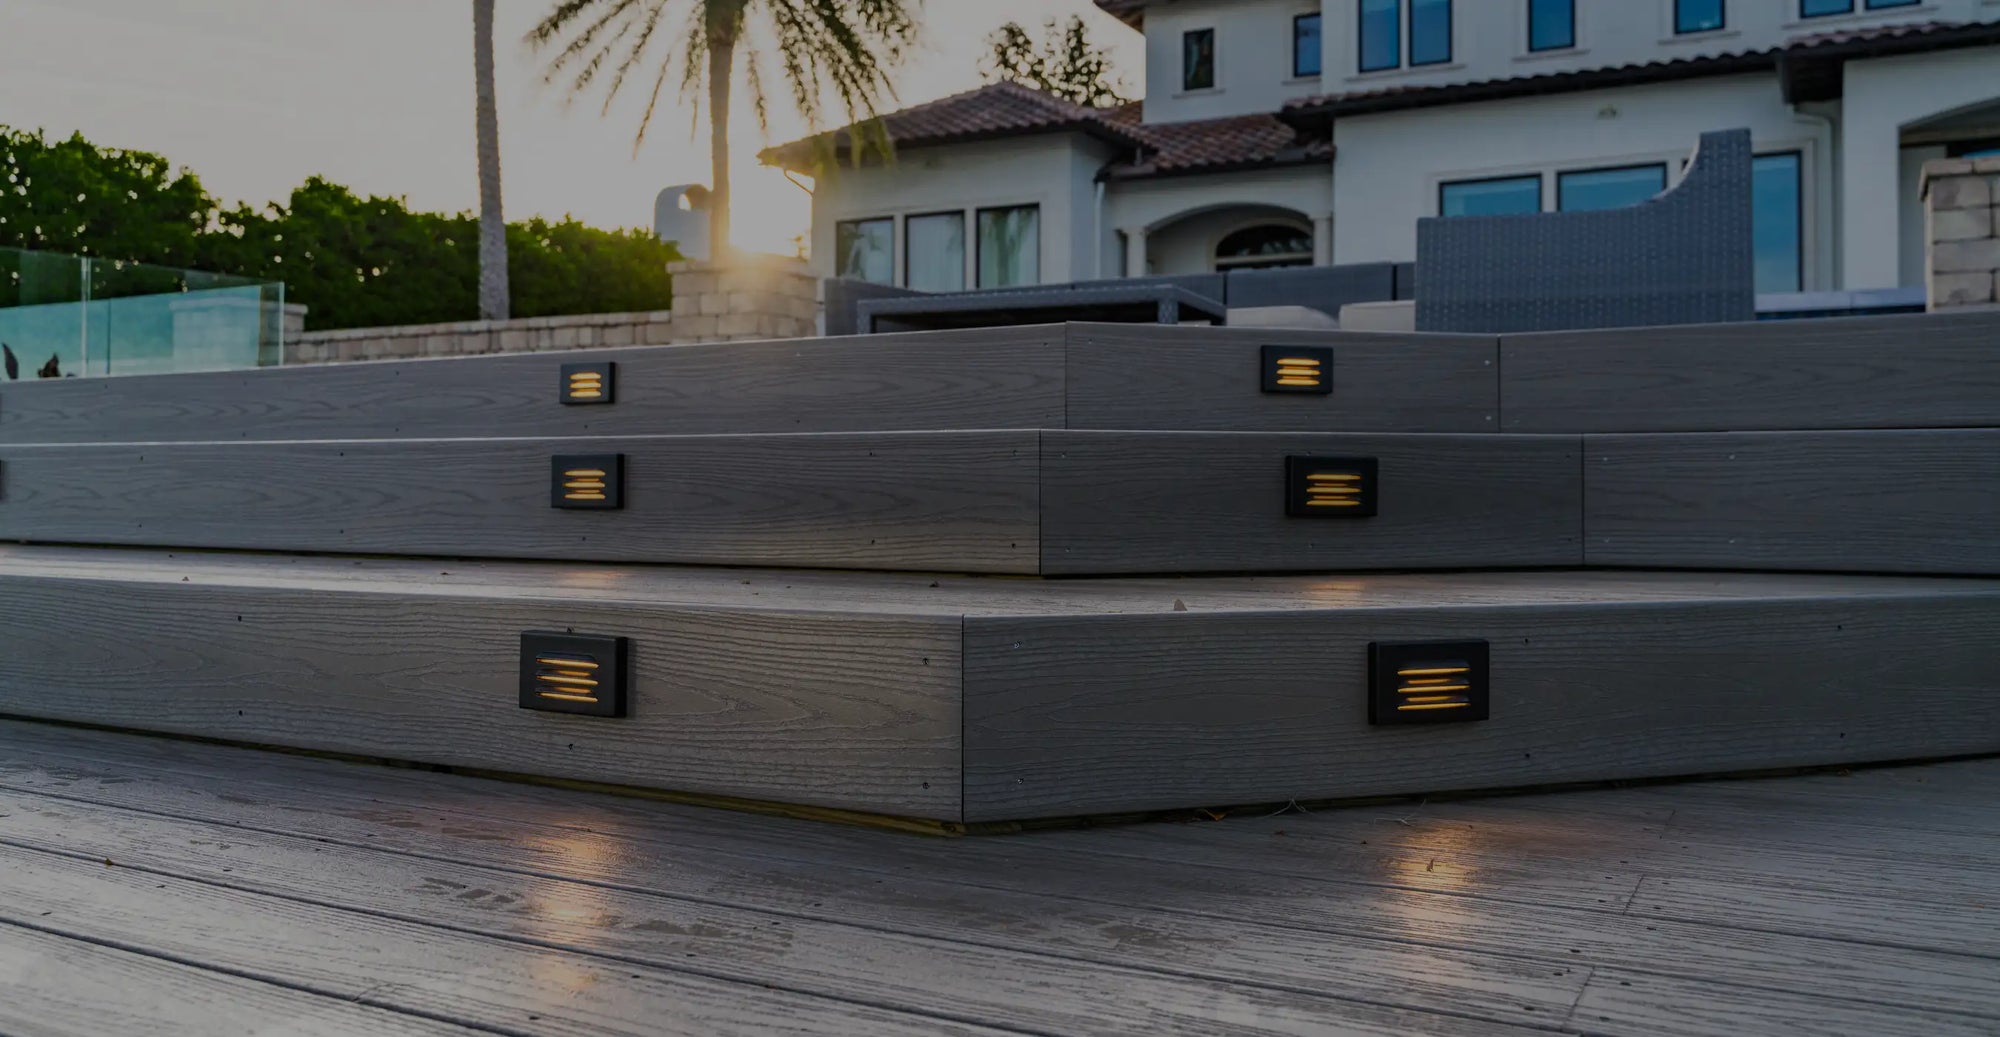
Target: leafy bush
(353,261)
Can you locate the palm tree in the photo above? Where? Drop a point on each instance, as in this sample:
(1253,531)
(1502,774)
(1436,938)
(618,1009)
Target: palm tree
(842,46)
(493,292)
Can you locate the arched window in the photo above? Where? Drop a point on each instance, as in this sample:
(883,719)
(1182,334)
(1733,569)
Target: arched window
(1263,246)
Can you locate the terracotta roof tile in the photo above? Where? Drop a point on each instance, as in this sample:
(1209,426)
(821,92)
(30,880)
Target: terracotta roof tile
(1213,145)
(995,110)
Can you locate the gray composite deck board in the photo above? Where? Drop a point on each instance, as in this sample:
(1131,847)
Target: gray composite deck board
(998,378)
(1155,377)
(1902,371)
(962,502)
(229,836)
(1911,501)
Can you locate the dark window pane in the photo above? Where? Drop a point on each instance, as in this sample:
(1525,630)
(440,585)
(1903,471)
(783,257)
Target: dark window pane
(1381,34)
(1010,246)
(1877,5)
(1263,247)
(1776,219)
(934,252)
(1609,188)
(1305,45)
(1697,15)
(1502,197)
(1551,24)
(1198,59)
(1816,8)
(866,249)
(1430,32)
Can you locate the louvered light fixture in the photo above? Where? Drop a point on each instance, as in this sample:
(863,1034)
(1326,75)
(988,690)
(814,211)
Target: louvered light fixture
(588,481)
(1297,369)
(1430,683)
(574,673)
(1330,487)
(588,383)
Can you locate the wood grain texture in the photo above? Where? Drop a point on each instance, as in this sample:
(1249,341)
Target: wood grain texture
(918,974)
(1922,501)
(491,984)
(1249,897)
(1143,712)
(856,712)
(1191,502)
(986,378)
(1902,371)
(51,986)
(1158,377)
(1626,1004)
(945,501)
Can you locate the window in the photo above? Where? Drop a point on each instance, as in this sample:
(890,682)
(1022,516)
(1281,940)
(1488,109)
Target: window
(1821,8)
(1984,148)
(866,249)
(1430,32)
(1305,46)
(1499,196)
(1776,220)
(1265,246)
(1697,15)
(934,252)
(1010,246)
(1380,33)
(1589,189)
(1198,60)
(1551,24)
(1879,5)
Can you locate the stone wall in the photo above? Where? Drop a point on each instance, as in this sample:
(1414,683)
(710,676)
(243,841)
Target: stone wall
(755,298)
(1962,232)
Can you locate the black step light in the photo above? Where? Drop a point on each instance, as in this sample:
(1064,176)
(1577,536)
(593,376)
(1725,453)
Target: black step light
(1330,487)
(1436,683)
(593,481)
(1298,369)
(574,673)
(587,383)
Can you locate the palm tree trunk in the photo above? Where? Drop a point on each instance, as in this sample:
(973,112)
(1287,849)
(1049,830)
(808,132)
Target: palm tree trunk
(493,291)
(721,65)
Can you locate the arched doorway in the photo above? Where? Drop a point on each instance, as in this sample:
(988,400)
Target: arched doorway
(1265,246)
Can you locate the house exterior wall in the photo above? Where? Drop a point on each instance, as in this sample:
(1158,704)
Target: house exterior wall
(1054,171)
(1879,198)
(1170,206)
(1253,58)
(1390,165)
(1490,37)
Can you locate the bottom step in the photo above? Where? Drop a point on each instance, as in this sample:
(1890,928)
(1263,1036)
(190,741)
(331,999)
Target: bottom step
(972,700)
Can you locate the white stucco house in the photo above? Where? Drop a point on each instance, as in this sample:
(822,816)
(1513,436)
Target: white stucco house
(1282,132)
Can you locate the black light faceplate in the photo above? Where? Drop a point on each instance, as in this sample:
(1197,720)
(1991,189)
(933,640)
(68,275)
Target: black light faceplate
(1427,683)
(574,673)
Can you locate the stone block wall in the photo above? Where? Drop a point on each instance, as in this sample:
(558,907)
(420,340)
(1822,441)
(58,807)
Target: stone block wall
(1962,232)
(753,298)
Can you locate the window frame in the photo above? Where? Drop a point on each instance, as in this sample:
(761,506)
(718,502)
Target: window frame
(1407,11)
(1361,40)
(1798,157)
(1722,16)
(1214,49)
(979,244)
(842,258)
(908,252)
(1805,14)
(1319,59)
(1666,179)
(1541,193)
(1571,45)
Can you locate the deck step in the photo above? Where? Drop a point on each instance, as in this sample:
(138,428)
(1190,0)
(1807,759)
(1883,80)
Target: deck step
(980,699)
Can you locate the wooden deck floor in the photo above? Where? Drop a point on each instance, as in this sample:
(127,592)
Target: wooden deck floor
(162,887)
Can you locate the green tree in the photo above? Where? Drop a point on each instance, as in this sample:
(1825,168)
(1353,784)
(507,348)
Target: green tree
(1064,62)
(845,47)
(72,196)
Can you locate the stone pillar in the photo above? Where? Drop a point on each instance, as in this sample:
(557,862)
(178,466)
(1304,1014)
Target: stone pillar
(1961,232)
(746,297)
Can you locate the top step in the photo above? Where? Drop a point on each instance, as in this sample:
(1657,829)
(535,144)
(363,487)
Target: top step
(1907,371)
(1080,376)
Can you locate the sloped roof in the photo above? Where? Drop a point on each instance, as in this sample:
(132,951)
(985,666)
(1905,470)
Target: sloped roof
(1213,145)
(1131,12)
(1809,67)
(995,110)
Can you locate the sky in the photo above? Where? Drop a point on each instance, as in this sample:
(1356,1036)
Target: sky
(257,95)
